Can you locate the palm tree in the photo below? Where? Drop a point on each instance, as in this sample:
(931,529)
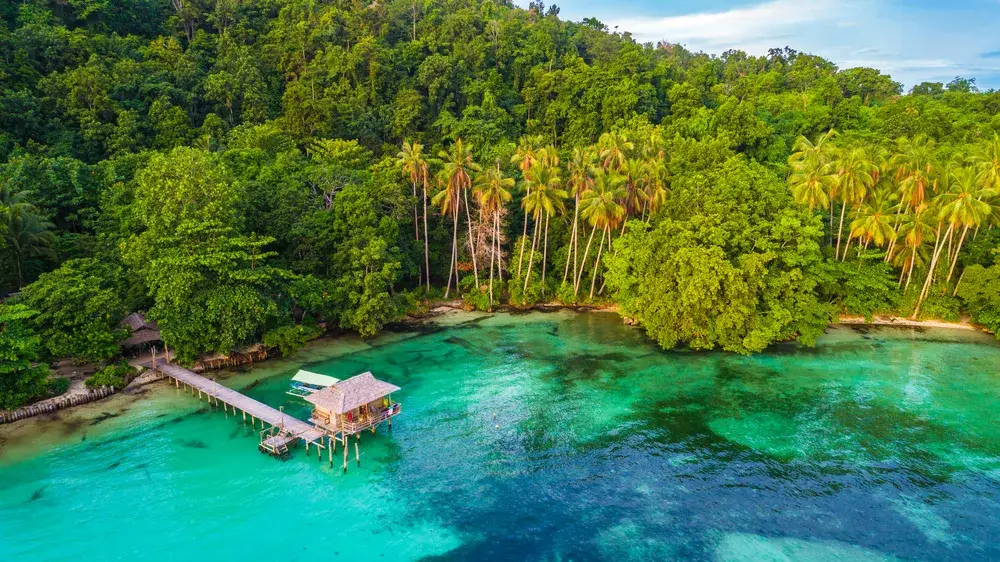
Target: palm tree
(546,196)
(914,230)
(811,158)
(614,150)
(915,167)
(811,154)
(28,233)
(601,208)
(812,185)
(986,159)
(525,157)
(635,183)
(961,205)
(457,174)
(580,170)
(855,177)
(492,191)
(657,178)
(414,166)
(875,222)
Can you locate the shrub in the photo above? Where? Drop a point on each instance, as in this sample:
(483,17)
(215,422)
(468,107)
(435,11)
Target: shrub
(869,288)
(476,297)
(113,375)
(291,338)
(980,290)
(58,386)
(521,298)
(565,294)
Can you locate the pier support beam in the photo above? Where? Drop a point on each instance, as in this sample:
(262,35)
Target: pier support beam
(329,448)
(345,454)
(357,453)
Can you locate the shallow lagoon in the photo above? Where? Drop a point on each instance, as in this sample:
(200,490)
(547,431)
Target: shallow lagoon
(880,444)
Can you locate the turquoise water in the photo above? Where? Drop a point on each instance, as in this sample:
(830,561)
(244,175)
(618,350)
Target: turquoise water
(880,444)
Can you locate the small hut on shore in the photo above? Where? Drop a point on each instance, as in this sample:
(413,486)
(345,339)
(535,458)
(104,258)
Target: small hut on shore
(353,405)
(143,332)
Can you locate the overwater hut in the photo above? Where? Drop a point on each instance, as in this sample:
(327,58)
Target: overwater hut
(144,332)
(354,405)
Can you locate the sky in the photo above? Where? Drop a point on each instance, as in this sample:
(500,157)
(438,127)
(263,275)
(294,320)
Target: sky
(913,41)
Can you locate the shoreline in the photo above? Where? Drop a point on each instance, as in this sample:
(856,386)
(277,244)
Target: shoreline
(458,306)
(963,324)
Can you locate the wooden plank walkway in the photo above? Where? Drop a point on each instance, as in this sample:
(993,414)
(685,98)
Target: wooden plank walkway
(300,429)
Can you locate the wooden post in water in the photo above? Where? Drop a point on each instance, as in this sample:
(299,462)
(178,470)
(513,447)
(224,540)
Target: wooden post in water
(345,453)
(329,448)
(319,450)
(357,454)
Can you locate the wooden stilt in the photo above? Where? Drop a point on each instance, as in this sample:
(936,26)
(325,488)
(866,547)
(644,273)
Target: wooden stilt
(319,450)
(329,448)
(199,396)
(345,454)
(244,417)
(307,448)
(357,453)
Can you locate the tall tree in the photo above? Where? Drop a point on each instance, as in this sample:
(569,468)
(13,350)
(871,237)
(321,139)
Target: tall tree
(601,208)
(492,192)
(457,173)
(855,177)
(581,170)
(414,165)
(27,233)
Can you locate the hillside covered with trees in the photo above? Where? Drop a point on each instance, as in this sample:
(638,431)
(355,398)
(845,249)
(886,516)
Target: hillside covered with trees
(244,170)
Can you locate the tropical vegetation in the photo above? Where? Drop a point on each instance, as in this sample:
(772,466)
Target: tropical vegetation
(257,171)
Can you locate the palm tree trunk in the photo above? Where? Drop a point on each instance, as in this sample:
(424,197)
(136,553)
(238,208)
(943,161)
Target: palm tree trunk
(958,250)
(427,249)
(843,256)
(492,257)
(524,236)
(496,221)
(416,220)
(453,264)
(472,245)
(583,262)
(19,260)
(938,248)
(597,264)
(840,229)
(531,256)
(545,251)
(959,283)
(572,243)
(909,275)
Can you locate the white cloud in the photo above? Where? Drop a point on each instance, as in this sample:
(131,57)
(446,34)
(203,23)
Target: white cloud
(738,27)
(912,42)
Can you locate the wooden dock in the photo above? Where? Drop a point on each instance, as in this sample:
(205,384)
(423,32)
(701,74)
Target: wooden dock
(241,403)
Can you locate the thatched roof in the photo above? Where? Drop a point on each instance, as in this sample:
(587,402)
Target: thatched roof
(142,337)
(348,394)
(143,331)
(137,321)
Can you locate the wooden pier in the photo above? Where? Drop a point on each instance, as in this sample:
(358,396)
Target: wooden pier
(281,423)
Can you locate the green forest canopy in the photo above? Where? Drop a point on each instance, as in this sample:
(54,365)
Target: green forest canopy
(236,166)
